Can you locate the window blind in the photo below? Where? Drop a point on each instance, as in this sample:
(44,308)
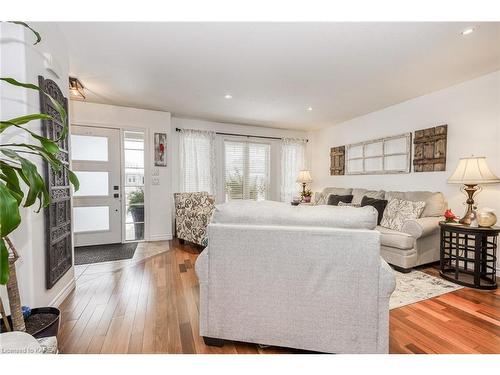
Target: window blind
(247,167)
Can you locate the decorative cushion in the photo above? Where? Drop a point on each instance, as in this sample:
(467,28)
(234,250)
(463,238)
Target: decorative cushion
(319,198)
(379,205)
(435,204)
(322,198)
(333,200)
(358,194)
(398,211)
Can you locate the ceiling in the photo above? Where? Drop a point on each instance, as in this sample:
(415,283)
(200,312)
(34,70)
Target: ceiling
(275,71)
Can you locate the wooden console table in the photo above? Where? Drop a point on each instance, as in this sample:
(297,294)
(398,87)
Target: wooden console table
(468,255)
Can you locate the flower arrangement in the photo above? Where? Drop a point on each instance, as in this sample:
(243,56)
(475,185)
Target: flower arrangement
(306,196)
(450,216)
(306,193)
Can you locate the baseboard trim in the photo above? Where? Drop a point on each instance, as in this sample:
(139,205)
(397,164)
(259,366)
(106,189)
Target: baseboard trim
(160,237)
(59,299)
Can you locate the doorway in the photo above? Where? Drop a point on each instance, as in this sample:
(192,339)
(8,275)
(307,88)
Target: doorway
(97,208)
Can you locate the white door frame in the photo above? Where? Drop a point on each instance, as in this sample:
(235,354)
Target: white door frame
(148,160)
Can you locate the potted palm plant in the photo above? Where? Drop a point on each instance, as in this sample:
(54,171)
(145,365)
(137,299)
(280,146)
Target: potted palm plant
(21,185)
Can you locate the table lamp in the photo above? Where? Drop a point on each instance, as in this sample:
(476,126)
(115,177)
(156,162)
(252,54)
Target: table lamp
(304,178)
(470,173)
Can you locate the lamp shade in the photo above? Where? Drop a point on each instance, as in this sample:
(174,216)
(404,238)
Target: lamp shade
(473,171)
(304,177)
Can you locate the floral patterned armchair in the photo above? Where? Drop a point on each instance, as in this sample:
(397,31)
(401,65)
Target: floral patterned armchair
(192,215)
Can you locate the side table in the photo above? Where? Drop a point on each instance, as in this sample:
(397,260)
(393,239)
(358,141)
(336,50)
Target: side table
(468,255)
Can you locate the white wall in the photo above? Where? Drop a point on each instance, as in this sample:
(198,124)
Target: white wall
(158,198)
(472,112)
(186,123)
(24,62)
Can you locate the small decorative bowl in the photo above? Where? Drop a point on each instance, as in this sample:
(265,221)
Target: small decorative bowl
(295,203)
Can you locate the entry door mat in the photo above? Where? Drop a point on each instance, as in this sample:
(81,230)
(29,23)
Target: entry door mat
(104,253)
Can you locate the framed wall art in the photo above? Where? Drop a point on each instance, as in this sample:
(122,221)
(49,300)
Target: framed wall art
(379,156)
(160,149)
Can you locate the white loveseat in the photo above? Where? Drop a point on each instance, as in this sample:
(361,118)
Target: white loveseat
(302,277)
(418,241)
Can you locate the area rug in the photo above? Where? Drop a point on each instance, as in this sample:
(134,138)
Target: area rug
(104,253)
(417,286)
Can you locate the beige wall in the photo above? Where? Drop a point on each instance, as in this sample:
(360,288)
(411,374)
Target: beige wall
(472,112)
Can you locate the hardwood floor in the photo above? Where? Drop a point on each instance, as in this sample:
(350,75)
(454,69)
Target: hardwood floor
(151,306)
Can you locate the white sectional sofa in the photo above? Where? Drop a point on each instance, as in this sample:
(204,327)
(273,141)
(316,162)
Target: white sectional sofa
(304,277)
(418,241)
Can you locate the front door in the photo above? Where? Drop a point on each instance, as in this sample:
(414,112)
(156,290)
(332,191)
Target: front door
(95,154)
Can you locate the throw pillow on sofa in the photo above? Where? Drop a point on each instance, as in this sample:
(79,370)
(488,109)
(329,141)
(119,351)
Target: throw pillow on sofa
(379,205)
(398,211)
(333,200)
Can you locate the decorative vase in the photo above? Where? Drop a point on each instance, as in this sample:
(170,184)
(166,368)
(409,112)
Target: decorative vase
(486,218)
(306,199)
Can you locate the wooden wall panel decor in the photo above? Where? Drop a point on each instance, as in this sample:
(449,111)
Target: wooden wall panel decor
(430,149)
(337,161)
(58,246)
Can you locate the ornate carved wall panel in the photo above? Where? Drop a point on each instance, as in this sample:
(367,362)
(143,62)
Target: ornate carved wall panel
(58,246)
(430,149)
(337,161)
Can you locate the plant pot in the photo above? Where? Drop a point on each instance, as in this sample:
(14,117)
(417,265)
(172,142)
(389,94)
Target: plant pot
(43,322)
(306,199)
(137,213)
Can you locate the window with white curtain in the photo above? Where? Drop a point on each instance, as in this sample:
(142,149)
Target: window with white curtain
(197,161)
(293,159)
(247,170)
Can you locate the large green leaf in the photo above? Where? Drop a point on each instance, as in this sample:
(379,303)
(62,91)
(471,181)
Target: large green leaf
(73,179)
(9,211)
(31,177)
(48,145)
(60,109)
(21,120)
(4,263)
(37,34)
(51,158)
(9,175)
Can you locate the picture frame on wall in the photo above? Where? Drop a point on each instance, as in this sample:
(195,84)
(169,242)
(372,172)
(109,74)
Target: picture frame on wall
(389,155)
(160,149)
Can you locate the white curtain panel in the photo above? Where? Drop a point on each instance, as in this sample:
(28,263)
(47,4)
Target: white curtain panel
(197,161)
(293,159)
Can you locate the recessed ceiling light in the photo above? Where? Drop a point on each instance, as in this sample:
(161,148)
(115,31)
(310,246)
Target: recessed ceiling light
(309,109)
(468,31)
(228,96)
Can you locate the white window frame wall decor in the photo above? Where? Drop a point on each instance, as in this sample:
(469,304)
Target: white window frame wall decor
(389,155)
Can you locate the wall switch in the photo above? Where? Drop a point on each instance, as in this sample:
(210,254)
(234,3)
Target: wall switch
(155,181)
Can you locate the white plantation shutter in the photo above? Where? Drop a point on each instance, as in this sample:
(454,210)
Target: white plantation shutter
(197,161)
(247,167)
